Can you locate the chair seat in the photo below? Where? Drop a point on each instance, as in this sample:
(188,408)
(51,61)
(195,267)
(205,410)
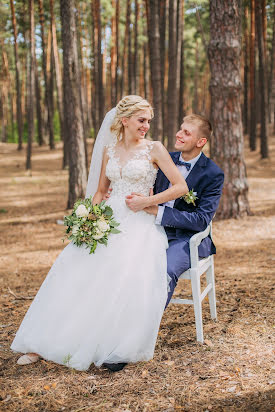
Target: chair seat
(203,265)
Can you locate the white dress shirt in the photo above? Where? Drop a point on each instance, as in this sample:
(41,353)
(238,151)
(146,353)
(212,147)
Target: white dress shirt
(184,173)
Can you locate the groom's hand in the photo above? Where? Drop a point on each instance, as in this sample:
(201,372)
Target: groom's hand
(136,201)
(151,210)
(107,195)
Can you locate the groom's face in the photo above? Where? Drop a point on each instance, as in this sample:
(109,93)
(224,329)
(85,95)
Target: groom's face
(188,139)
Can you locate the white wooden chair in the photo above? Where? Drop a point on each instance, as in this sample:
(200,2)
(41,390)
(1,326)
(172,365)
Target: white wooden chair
(199,267)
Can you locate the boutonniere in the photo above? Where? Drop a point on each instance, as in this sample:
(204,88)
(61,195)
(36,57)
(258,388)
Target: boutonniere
(190,197)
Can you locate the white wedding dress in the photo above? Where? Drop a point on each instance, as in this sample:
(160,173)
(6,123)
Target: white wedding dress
(104,307)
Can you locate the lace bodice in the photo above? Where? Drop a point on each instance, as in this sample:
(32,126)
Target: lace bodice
(136,175)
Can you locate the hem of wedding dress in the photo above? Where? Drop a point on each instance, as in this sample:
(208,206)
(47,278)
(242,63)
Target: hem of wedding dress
(97,364)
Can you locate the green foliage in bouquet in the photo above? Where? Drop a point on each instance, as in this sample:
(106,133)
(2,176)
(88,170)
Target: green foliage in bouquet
(90,224)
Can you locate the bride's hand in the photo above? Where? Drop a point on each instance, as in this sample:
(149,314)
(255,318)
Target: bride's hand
(136,201)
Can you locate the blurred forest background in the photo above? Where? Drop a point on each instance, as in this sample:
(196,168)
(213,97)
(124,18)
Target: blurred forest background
(64,63)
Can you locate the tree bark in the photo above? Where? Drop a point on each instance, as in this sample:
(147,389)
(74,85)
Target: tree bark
(136,51)
(99,89)
(262,82)
(196,75)
(154,51)
(46,79)
(271,78)
(18,85)
(117,93)
(181,73)
(225,87)
(246,70)
(162,32)
(72,114)
(124,83)
(173,84)
(252,83)
(38,107)
(31,94)
(58,78)
(129,57)
(113,55)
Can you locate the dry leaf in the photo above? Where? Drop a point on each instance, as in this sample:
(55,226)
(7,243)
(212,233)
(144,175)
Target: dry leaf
(7,398)
(208,343)
(169,363)
(47,387)
(54,385)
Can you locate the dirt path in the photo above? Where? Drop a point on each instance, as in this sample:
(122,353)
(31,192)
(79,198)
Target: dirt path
(232,372)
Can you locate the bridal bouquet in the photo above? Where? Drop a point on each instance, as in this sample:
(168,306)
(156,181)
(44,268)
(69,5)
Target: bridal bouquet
(90,224)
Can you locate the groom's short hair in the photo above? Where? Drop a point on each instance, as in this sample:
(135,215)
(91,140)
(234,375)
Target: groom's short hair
(204,125)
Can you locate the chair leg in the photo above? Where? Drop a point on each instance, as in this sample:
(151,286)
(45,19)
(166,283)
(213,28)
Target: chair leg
(210,278)
(196,292)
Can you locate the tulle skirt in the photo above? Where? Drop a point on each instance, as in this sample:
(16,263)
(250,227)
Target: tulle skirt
(104,307)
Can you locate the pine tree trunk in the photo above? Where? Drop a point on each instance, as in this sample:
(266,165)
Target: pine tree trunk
(31,89)
(58,78)
(196,75)
(181,73)
(3,114)
(262,82)
(94,69)
(173,86)
(18,85)
(136,52)
(246,70)
(5,80)
(38,107)
(271,82)
(154,52)
(73,124)
(113,55)
(117,93)
(46,80)
(162,32)
(129,57)
(252,83)
(224,54)
(99,89)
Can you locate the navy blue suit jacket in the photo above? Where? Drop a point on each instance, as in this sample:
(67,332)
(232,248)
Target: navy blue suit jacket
(184,220)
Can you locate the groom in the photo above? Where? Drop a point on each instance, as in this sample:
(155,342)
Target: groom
(180,219)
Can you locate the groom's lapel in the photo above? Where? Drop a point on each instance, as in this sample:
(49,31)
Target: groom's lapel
(195,174)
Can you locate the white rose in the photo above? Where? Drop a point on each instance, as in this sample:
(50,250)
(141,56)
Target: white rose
(81,211)
(98,235)
(103,226)
(75,230)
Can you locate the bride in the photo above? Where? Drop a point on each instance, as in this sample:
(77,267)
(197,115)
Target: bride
(106,308)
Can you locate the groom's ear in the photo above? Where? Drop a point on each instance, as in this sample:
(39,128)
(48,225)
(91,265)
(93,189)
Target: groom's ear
(201,142)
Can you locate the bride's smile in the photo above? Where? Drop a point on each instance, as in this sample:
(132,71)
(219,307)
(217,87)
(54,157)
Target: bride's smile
(137,125)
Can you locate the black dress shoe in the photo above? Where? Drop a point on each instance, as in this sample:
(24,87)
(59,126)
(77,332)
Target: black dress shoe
(114,367)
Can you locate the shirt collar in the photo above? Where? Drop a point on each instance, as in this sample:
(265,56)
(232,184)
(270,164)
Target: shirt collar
(192,161)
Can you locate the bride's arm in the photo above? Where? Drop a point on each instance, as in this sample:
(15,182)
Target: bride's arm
(104,182)
(161,157)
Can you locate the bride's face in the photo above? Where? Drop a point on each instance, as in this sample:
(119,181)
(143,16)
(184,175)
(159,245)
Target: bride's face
(138,125)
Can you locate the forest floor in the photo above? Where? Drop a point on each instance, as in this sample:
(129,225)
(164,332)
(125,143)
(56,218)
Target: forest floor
(231,371)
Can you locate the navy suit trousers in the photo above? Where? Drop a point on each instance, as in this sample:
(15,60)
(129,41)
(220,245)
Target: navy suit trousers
(178,261)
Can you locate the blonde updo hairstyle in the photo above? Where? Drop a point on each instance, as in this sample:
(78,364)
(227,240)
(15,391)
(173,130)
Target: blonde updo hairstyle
(127,107)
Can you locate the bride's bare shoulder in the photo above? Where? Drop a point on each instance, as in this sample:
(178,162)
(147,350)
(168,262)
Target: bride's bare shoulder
(156,146)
